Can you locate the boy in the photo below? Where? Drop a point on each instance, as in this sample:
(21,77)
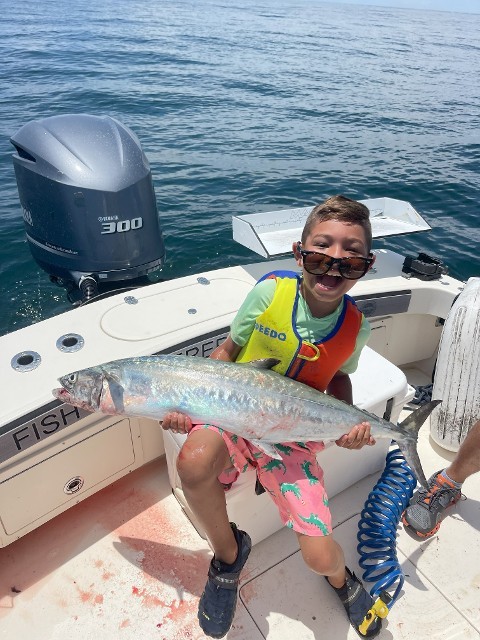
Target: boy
(317,333)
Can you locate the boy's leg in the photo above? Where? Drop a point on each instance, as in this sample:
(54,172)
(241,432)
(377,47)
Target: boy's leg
(203,458)
(324,555)
(296,485)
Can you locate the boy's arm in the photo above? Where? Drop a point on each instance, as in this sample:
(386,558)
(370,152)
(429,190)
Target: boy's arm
(227,351)
(341,388)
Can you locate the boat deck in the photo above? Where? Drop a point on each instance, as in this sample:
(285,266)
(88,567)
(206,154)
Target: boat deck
(126,563)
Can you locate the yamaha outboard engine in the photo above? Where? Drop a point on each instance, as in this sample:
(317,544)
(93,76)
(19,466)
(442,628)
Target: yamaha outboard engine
(88,202)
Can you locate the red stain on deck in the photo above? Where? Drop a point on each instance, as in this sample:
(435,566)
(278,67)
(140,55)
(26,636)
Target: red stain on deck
(249,592)
(169,560)
(34,556)
(174,564)
(160,539)
(88,597)
(177,612)
(85,596)
(148,600)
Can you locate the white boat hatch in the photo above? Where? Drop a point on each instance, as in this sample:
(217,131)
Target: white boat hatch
(271,233)
(191,302)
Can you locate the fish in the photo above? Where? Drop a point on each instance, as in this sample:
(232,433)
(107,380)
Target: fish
(249,400)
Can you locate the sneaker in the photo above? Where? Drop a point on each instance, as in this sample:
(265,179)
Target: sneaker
(218,602)
(424,514)
(357,603)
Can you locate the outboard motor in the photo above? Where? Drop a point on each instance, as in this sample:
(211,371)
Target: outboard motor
(89,207)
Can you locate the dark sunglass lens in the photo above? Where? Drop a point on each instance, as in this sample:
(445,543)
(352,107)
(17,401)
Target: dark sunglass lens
(316,263)
(353,268)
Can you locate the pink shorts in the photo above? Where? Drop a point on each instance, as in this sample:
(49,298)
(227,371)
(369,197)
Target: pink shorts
(294,483)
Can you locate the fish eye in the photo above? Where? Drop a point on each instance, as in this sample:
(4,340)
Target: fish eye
(71,379)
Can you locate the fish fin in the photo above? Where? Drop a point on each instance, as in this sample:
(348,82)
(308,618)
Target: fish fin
(265,363)
(414,420)
(110,376)
(267,448)
(116,391)
(410,453)
(411,426)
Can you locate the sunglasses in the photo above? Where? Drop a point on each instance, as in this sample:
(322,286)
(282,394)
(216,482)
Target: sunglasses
(318,264)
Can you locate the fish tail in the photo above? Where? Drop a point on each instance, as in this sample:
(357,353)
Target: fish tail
(408,446)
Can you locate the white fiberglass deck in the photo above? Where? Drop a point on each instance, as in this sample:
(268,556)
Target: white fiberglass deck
(126,563)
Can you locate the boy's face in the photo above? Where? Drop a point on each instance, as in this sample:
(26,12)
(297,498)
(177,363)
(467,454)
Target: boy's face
(337,240)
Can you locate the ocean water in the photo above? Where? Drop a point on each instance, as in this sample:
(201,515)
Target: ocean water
(245,106)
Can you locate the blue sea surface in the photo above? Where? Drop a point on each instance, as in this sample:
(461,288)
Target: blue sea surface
(245,106)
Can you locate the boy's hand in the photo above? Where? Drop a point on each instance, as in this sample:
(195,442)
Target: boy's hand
(176,422)
(357,437)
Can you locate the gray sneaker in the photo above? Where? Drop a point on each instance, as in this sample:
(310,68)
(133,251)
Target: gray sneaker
(424,514)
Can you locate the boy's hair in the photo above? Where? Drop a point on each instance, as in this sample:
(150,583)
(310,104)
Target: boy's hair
(344,210)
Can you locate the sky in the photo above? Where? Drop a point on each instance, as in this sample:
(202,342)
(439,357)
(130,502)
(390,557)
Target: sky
(467,6)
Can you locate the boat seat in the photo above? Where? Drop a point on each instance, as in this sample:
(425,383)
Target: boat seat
(378,387)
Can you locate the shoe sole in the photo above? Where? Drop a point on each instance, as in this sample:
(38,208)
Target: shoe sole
(428,534)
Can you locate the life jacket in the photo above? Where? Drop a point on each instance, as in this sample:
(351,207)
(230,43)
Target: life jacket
(275,336)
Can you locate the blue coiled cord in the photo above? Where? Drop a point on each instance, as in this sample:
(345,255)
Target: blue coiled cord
(377,528)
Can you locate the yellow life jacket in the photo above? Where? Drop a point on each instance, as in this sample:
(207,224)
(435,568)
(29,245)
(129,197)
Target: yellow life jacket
(275,336)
